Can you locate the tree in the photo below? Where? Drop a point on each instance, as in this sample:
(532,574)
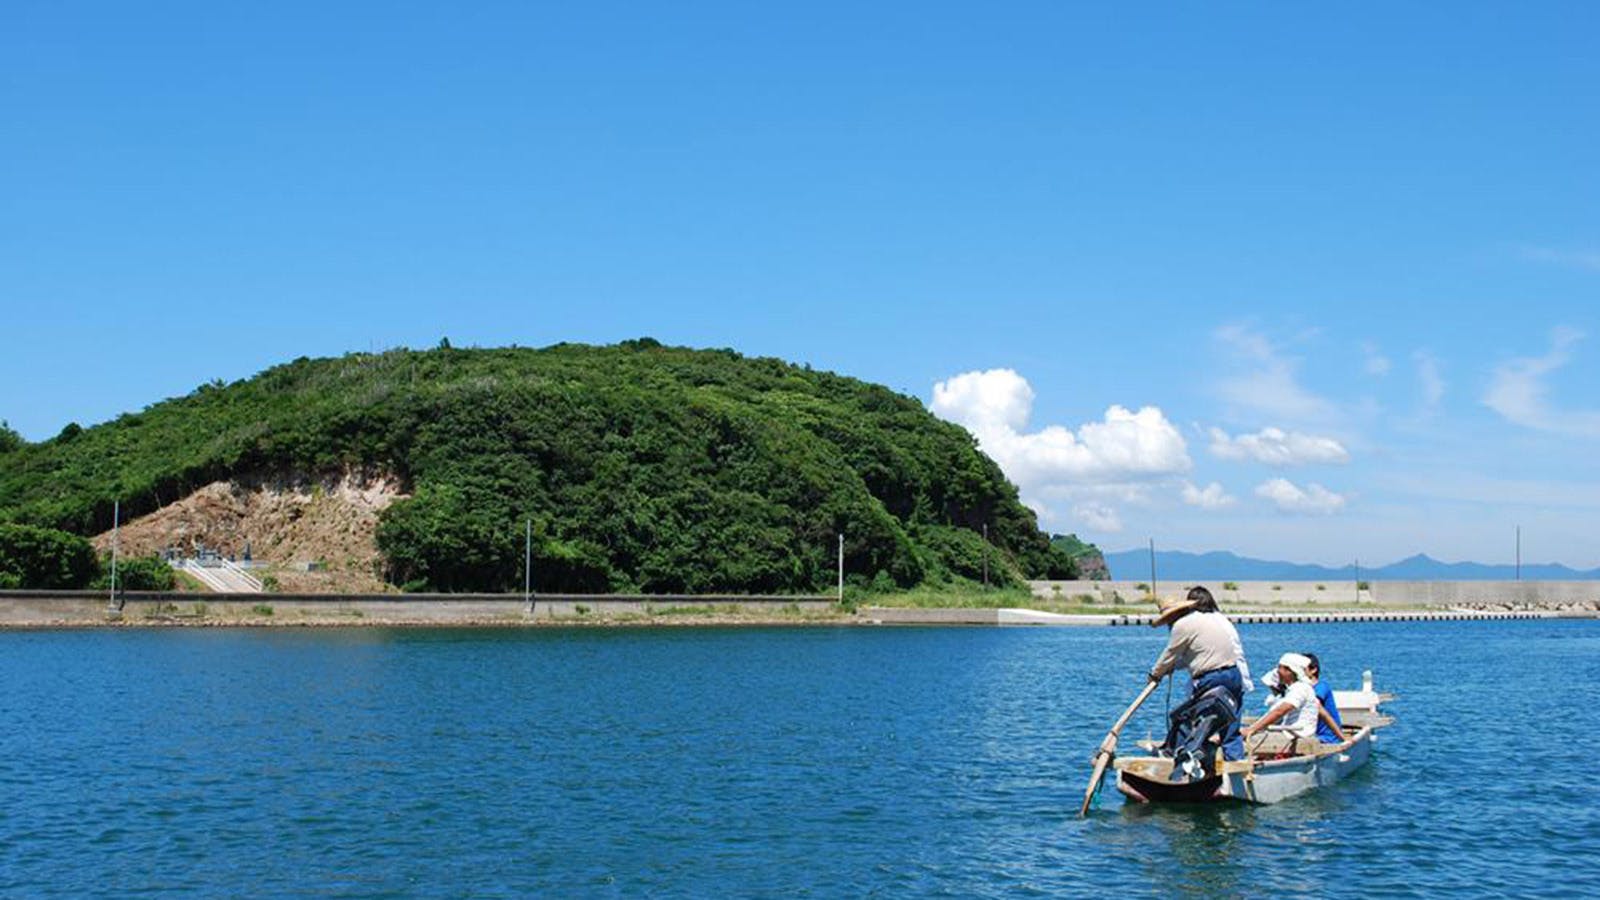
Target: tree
(44,558)
(9,439)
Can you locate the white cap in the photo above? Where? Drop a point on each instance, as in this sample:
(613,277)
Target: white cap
(1297,664)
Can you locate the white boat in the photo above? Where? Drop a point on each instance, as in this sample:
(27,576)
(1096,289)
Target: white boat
(1276,767)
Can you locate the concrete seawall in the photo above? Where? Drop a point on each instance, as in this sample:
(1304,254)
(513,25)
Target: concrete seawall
(80,608)
(1332,594)
(890,615)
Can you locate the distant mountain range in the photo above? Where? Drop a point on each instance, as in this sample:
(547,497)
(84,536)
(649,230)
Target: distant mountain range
(1134,565)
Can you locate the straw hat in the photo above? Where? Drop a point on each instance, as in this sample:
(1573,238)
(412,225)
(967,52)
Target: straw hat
(1170,608)
(1297,664)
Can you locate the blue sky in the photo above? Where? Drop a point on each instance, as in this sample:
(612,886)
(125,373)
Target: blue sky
(1361,243)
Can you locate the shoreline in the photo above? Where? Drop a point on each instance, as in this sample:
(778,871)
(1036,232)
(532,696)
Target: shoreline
(42,610)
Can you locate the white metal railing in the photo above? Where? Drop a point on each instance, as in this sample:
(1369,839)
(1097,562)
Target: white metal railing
(220,575)
(252,584)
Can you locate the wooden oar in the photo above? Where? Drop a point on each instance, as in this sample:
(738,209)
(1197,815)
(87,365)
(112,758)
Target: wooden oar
(1108,748)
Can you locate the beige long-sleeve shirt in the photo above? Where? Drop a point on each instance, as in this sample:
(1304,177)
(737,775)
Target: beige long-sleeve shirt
(1200,642)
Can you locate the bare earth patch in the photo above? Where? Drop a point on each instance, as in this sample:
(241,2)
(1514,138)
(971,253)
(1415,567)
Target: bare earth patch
(286,522)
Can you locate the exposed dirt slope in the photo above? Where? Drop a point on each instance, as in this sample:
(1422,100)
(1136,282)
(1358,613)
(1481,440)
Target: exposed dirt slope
(286,522)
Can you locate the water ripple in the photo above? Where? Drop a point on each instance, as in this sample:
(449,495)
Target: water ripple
(695,762)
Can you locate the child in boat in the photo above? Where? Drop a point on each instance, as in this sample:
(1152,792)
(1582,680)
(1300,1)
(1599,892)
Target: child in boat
(1297,711)
(1330,728)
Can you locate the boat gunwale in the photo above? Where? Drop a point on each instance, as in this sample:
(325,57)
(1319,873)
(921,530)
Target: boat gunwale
(1365,732)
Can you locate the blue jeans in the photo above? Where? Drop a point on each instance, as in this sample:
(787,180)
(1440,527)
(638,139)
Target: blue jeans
(1233,682)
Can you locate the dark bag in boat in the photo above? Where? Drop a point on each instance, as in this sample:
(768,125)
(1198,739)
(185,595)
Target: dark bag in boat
(1195,722)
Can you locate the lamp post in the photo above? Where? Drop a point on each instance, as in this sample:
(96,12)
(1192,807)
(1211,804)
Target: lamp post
(841,568)
(986,556)
(527,567)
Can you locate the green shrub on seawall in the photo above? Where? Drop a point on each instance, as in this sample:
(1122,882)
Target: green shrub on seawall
(44,558)
(140,573)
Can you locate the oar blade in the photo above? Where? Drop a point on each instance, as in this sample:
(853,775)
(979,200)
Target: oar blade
(1101,760)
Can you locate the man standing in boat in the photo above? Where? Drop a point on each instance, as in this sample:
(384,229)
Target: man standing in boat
(1204,643)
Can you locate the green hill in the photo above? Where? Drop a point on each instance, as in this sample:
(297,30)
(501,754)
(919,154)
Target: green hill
(642,467)
(1086,558)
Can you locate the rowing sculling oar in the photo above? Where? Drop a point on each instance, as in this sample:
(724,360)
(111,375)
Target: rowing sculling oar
(1108,748)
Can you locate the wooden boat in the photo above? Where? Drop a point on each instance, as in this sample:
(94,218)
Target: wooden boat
(1276,767)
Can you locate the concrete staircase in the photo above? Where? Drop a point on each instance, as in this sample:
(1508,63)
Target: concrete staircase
(220,575)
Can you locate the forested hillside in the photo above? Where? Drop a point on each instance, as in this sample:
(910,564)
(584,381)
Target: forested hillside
(642,468)
(1086,558)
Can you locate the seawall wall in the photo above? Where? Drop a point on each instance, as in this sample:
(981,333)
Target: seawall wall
(1342,594)
(70,608)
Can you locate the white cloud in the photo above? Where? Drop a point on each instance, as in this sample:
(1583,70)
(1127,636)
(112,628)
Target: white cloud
(1268,382)
(1277,447)
(996,405)
(992,399)
(1098,463)
(1125,493)
(1375,363)
(1433,383)
(1582,259)
(1313,499)
(1212,496)
(1097,516)
(1517,391)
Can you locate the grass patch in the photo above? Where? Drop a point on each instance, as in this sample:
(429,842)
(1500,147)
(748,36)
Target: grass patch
(183,581)
(1004,598)
(261,609)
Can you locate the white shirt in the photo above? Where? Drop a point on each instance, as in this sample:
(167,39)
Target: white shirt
(1301,720)
(1200,642)
(1244,667)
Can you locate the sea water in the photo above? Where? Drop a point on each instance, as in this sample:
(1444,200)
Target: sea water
(814,761)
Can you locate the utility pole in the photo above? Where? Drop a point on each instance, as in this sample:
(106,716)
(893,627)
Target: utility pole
(1358,581)
(527,567)
(986,556)
(841,568)
(116,525)
(1519,552)
(1152,568)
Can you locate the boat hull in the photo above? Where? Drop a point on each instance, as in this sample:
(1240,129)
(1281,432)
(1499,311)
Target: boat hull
(1144,780)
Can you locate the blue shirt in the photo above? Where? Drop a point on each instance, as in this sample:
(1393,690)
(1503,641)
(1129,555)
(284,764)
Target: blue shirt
(1325,697)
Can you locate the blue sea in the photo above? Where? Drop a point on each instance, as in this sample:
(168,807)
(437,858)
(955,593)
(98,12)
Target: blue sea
(805,761)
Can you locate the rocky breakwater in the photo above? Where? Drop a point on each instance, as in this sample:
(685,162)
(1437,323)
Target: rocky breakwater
(1590,608)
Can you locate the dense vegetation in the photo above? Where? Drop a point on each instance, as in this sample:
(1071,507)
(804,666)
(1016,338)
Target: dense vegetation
(50,559)
(641,467)
(1086,558)
(44,558)
(9,439)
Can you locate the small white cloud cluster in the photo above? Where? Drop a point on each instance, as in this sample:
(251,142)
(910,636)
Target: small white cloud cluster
(1313,499)
(1518,391)
(1264,380)
(1125,458)
(1097,516)
(1277,447)
(1212,496)
(1082,466)
(1432,381)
